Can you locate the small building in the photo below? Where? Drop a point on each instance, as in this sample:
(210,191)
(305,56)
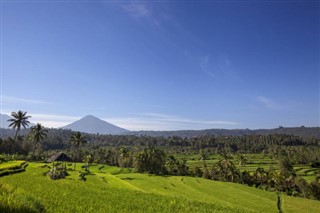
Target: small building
(59,158)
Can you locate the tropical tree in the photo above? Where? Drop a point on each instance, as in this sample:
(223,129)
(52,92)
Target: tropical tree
(36,135)
(242,160)
(260,176)
(227,169)
(171,163)
(76,140)
(203,155)
(124,155)
(151,160)
(182,167)
(20,119)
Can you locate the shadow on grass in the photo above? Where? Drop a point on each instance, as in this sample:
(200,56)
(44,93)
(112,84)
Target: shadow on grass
(17,209)
(130,178)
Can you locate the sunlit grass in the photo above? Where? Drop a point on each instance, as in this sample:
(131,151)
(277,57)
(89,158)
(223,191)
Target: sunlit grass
(113,189)
(10,164)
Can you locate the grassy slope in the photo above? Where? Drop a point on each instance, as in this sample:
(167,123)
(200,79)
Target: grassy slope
(10,164)
(110,191)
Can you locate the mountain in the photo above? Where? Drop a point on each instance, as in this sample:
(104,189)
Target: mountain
(91,124)
(4,123)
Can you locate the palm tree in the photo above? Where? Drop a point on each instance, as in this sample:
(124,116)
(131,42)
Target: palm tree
(19,119)
(171,163)
(76,140)
(226,167)
(182,167)
(203,155)
(124,154)
(242,160)
(37,134)
(260,176)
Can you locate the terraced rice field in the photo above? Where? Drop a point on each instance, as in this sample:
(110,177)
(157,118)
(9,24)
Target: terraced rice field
(112,189)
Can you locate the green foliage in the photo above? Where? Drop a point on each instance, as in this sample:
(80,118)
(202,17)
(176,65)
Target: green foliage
(36,135)
(9,168)
(151,160)
(55,174)
(279,203)
(133,192)
(20,119)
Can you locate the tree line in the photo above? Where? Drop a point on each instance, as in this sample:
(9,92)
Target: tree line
(154,155)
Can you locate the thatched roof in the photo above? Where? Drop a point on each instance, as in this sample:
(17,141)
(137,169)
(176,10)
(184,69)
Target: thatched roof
(59,157)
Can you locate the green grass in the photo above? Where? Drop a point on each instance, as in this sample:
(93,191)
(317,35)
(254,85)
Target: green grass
(112,189)
(10,165)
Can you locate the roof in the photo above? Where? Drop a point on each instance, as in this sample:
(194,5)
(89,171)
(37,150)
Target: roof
(59,157)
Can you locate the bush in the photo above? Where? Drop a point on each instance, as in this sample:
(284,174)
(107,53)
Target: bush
(315,164)
(13,170)
(57,174)
(82,175)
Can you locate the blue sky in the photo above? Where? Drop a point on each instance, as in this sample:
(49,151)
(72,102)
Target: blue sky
(163,65)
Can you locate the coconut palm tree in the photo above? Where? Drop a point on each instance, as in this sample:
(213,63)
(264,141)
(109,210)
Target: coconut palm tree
(226,167)
(242,160)
(182,167)
(37,134)
(124,154)
(260,176)
(171,163)
(20,119)
(76,140)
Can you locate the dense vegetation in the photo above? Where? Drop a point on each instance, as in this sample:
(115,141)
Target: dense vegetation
(112,189)
(284,160)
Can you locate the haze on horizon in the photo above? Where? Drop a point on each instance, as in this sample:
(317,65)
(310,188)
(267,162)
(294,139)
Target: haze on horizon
(162,65)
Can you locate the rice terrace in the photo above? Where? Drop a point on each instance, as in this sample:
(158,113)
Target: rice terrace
(159,106)
(132,173)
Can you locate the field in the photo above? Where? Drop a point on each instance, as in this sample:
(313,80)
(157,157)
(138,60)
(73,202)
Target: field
(253,162)
(112,189)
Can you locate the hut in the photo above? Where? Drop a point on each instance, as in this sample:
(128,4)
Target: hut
(61,159)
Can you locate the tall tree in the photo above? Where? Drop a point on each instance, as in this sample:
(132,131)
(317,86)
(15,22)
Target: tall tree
(260,176)
(123,155)
(227,169)
(37,134)
(20,119)
(242,160)
(76,140)
(171,163)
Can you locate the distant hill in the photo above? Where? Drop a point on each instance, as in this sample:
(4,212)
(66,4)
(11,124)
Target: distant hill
(297,131)
(94,125)
(4,123)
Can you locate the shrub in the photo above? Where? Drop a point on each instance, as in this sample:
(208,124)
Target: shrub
(57,174)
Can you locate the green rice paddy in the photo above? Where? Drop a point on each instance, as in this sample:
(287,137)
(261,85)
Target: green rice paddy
(113,189)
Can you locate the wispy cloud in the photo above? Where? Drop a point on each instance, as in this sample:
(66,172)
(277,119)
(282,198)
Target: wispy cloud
(156,121)
(147,11)
(204,66)
(269,103)
(141,121)
(52,120)
(219,68)
(10,99)
(137,9)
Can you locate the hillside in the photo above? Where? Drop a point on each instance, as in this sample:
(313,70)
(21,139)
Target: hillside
(297,131)
(94,125)
(4,123)
(112,189)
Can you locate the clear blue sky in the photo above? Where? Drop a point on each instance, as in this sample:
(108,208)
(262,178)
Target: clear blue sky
(163,65)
